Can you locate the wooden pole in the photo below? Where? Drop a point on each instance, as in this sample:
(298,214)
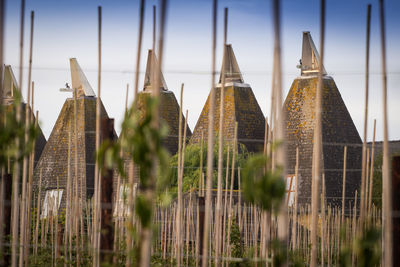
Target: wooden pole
(344,182)
(317,151)
(16,173)
(225,201)
(294,227)
(281,115)
(2,18)
(154,28)
(180,178)
(149,193)
(364,147)
(231,188)
(24,208)
(139,48)
(126,98)
(75,193)
(30,179)
(210,139)
(97,174)
(386,179)
(29,113)
(136,89)
(218,208)
(201,186)
(2,171)
(371,174)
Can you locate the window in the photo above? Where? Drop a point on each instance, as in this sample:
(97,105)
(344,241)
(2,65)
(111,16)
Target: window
(121,208)
(290,189)
(51,202)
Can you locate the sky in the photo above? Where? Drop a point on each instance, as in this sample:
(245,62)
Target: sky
(68,28)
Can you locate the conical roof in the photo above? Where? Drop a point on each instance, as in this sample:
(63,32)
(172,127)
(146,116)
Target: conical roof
(309,57)
(230,67)
(151,65)
(53,163)
(169,107)
(338,130)
(10,85)
(240,105)
(79,80)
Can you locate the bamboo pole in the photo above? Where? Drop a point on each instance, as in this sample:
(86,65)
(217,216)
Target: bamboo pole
(149,194)
(30,180)
(201,165)
(75,193)
(220,152)
(294,229)
(139,48)
(29,166)
(2,19)
(126,98)
(364,147)
(344,182)
(323,220)
(16,173)
(386,178)
(317,151)
(97,174)
(180,178)
(210,140)
(131,163)
(23,208)
(68,232)
(231,189)
(225,201)
(38,213)
(371,174)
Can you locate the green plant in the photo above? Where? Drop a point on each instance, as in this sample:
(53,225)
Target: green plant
(261,186)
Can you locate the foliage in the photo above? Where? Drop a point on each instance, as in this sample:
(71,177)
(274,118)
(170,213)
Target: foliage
(262,186)
(366,249)
(141,142)
(191,172)
(236,241)
(377,179)
(12,130)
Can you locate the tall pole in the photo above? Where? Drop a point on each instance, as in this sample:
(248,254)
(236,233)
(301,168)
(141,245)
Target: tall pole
(16,174)
(317,150)
(2,5)
(139,48)
(25,166)
(364,147)
(280,115)
(135,92)
(218,220)
(180,178)
(386,178)
(97,181)
(149,192)
(210,139)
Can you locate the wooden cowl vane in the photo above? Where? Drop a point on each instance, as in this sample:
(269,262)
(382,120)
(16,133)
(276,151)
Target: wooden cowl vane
(53,163)
(240,105)
(169,107)
(10,86)
(338,130)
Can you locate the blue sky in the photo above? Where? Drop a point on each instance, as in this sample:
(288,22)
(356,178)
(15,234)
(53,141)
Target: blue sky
(65,29)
